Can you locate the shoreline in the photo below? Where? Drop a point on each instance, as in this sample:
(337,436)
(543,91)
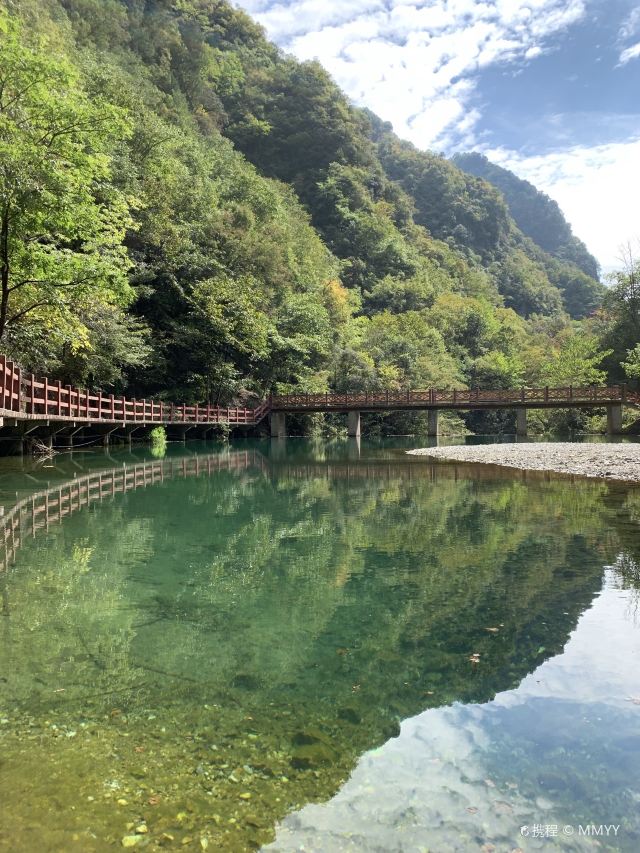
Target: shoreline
(616,462)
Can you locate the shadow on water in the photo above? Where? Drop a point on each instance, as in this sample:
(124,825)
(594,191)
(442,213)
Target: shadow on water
(198,645)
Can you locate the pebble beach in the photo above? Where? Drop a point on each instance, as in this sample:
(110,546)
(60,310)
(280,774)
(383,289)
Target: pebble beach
(603,461)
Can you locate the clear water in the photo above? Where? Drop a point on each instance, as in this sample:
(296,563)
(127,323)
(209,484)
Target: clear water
(316,647)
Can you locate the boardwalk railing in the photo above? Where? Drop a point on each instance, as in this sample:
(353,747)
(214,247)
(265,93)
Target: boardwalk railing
(29,397)
(464,399)
(41,398)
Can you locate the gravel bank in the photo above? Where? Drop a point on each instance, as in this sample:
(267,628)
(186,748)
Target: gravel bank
(605,461)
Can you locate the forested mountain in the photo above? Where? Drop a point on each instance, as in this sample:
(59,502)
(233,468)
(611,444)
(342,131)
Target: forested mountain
(187,212)
(537,215)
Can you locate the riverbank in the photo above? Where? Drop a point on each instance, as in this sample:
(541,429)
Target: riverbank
(602,461)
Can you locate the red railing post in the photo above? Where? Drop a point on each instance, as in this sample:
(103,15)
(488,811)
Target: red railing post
(19,390)
(197,413)
(3,380)
(124,409)
(173,413)
(161,411)
(112,403)
(8,397)
(32,395)
(58,397)
(8,403)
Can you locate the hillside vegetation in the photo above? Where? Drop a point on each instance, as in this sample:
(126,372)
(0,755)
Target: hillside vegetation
(187,212)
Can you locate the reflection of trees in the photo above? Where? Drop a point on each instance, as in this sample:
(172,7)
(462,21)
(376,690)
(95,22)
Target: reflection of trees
(243,576)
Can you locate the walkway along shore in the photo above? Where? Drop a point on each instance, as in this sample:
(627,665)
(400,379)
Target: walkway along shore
(603,461)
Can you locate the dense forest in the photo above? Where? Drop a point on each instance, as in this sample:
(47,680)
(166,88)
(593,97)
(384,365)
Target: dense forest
(187,212)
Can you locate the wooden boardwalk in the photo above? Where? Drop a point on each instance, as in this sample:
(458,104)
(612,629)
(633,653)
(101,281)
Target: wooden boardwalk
(43,407)
(529,398)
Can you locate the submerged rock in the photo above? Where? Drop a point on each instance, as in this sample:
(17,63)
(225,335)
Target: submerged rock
(349,715)
(312,755)
(246,682)
(310,736)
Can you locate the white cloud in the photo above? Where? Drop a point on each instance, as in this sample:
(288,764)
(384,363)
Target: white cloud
(403,58)
(597,189)
(630,53)
(414,63)
(630,26)
(629,30)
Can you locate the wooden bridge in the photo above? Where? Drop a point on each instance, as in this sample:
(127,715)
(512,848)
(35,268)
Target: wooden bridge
(33,408)
(433,401)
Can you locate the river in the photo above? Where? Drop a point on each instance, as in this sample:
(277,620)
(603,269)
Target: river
(315,646)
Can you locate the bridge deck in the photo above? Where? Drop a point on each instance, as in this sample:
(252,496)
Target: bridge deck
(26,398)
(528,398)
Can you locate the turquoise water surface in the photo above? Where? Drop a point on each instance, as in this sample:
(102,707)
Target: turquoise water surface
(316,647)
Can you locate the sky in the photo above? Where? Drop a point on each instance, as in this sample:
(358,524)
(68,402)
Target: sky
(547,88)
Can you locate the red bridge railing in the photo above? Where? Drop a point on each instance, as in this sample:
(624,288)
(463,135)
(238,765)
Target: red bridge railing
(464,399)
(27,395)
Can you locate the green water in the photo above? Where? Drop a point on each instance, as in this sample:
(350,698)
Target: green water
(315,647)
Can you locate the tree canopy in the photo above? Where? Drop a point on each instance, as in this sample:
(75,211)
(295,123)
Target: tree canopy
(187,212)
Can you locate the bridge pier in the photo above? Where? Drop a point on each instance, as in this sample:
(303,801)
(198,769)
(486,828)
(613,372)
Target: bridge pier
(521,423)
(278,425)
(614,419)
(432,423)
(353,424)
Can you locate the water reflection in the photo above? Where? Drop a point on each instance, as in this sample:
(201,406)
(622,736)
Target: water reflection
(538,766)
(215,639)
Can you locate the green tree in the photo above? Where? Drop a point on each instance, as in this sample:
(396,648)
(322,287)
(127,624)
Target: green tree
(620,319)
(62,220)
(577,361)
(631,365)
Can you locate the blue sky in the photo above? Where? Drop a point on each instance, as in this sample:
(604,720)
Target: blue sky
(547,88)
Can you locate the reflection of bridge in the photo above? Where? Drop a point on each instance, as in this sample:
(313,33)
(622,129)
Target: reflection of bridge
(52,504)
(40,408)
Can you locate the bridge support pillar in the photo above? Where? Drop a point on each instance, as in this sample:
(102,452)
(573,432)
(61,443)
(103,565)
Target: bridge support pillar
(614,419)
(432,423)
(353,424)
(278,425)
(521,423)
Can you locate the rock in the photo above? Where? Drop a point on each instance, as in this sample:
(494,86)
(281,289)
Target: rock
(309,736)
(131,840)
(391,729)
(245,682)
(349,715)
(312,755)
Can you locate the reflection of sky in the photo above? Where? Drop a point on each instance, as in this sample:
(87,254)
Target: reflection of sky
(561,749)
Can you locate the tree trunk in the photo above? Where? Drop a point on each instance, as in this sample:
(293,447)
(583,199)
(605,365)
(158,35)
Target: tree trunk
(4,269)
